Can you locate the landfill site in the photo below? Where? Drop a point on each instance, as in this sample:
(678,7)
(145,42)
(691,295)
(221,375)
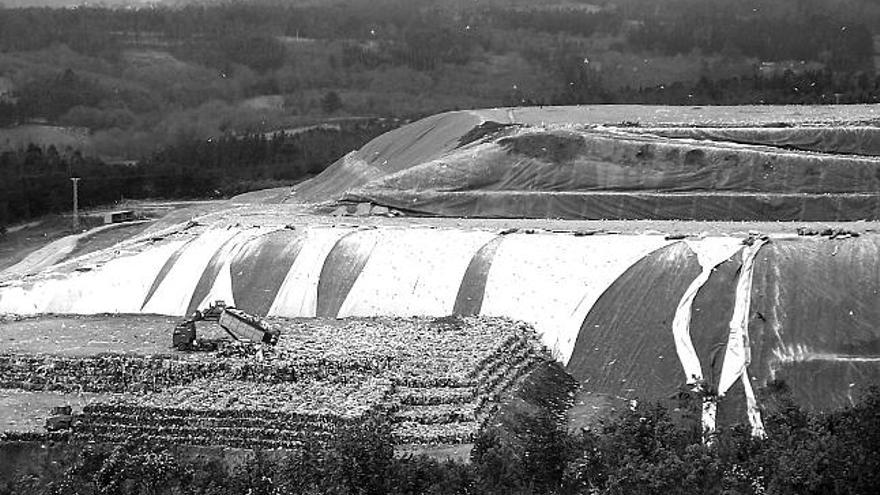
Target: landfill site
(426,276)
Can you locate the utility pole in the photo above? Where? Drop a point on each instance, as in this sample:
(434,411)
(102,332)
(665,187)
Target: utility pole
(75,180)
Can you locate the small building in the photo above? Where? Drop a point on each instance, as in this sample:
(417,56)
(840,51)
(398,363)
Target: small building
(119,216)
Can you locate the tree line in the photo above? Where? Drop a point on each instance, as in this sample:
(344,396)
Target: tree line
(366,38)
(738,29)
(812,87)
(36,179)
(250,33)
(168,110)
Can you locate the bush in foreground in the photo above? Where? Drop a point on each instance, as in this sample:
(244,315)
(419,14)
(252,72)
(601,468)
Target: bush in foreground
(650,449)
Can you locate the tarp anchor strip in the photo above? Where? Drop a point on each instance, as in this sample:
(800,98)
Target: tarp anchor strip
(738,354)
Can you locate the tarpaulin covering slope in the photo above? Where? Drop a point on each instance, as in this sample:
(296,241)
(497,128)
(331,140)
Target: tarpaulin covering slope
(260,267)
(120,286)
(815,314)
(298,294)
(607,305)
(553,281)
(388,153)
(414,271)
(429,138)
(341,269)
(603,205)
(633,318)
(710,319)
(812,322)
(566,160)
(176,287)
(856,140)
(590,173)
(215,282)
(548,280)
(469,300)
(560,158)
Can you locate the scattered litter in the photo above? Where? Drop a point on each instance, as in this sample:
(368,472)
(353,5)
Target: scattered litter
(831,233)
(675,237)
(339,212)
(380,210)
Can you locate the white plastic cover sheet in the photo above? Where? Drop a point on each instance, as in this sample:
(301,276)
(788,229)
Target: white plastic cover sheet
(298,295)
(173,295)
(552,281)
(413,272)
(119,286)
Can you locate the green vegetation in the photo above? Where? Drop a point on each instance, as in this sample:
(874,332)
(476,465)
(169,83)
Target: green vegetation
(145,68)
(164,85)
(651,449)
(36,179)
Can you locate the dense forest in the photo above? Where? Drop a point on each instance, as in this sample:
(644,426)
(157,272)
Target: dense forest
(138,83)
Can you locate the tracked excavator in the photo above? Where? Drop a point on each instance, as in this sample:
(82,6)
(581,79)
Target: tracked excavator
(237,323)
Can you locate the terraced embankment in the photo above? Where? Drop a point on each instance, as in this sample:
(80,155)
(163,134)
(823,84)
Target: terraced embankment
(437,380)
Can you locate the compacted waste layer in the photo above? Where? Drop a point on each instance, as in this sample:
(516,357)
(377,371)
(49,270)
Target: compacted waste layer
(437,379)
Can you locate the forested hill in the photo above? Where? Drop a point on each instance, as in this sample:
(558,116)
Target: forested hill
(129,83)
(203,69)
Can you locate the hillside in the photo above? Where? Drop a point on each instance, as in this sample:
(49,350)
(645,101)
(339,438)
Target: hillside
(141,78)
(619,162)
(182,102)
(463,338)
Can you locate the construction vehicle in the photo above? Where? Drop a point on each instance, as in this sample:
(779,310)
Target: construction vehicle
(237,323)
(61,418)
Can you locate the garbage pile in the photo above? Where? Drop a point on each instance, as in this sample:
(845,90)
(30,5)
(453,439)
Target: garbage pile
(437,380)
(235,413)
(131,373)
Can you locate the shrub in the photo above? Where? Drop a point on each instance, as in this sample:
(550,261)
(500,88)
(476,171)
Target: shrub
(650,449)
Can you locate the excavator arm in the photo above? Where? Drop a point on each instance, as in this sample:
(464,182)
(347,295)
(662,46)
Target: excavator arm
(238,324)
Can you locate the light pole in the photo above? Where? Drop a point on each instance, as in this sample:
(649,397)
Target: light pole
(75,180)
